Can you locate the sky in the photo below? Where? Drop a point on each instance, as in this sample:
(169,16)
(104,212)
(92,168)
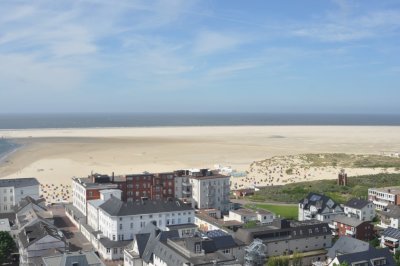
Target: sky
(200,56)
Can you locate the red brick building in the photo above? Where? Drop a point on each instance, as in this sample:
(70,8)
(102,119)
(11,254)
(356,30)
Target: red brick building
(348,226)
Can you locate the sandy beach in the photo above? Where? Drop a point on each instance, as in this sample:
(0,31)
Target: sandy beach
(55,155)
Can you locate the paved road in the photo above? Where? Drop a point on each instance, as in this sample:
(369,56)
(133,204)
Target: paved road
(76,239)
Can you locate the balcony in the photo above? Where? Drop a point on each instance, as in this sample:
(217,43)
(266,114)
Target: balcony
(350,233)
(392,244)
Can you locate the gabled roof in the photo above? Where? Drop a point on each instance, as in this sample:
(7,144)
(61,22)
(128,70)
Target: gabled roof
(357,203)
(348,220)
(368,256)
(34,233)
(391,232)
(27,201)
(392,211)
(346,244)
(116,207)
(321,202)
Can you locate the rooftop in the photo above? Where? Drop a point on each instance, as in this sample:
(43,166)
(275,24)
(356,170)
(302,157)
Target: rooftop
(19,182)
(391,232)
(346,244)
(393,190)
(357,203)
(5,225)
(348,220)
(33,233)
(116,207)
(83,258)
(321,202)
(368,257)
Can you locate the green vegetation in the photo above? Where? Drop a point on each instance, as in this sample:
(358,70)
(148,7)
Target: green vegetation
(357,187)
(250,224)
(7,246)
(375,242)
(350,160)
(289,171)
(278,261)
(287,211)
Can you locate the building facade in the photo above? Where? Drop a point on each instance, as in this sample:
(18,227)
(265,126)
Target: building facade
(390,217)
(362,210)
(383,197)
(13,190)
(319,207)
(347,226)
(209,190)
(287,237)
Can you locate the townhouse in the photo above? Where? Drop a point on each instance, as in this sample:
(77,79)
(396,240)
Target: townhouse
(13,190)
(319,207)
(348,226)
(360,209)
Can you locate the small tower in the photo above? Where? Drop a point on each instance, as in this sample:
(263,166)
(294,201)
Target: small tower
(342,178)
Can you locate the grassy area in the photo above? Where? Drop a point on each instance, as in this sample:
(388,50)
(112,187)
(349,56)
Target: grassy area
(287,211)
(350,160)
(358,187)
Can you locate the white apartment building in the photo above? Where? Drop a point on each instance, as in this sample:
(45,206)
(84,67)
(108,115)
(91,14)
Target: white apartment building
(84,189)
(93,206)
(382,197)
(119,221)
(13,190)
(209,190)
(319,207)
(362,210)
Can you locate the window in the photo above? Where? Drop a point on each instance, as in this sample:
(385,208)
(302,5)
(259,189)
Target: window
(120,226)
(198,248)
(115,250)
(131,225)
(108,250)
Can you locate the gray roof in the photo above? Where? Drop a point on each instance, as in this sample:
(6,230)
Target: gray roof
(29,200)
(114,244)
(33,233)
(346,244)
(84,258)
(19,182)
(357,203)
(392,211)
(391,232)
(368,256)
(284,230)
(318,200)
(181,226)
(348,220)
(116,207)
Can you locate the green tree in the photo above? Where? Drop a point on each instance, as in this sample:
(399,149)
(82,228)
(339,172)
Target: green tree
(7,245)
(278,261)
(375,242)
(297,259)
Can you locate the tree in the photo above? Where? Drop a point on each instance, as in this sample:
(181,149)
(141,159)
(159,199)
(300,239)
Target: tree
(278,261)
(297,259)
(375,242)
(7,245)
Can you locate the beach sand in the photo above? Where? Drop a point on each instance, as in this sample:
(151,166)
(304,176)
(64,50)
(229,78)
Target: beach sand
(55,155)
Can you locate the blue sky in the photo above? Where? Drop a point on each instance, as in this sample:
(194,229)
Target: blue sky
(200,56)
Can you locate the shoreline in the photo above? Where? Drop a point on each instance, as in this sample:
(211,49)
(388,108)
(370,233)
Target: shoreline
(54,156)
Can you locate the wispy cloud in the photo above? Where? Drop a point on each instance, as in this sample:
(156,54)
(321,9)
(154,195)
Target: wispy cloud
(209,42)
(346,24)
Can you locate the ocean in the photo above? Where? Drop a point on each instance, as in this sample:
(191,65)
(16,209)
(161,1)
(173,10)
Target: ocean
(37,121)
